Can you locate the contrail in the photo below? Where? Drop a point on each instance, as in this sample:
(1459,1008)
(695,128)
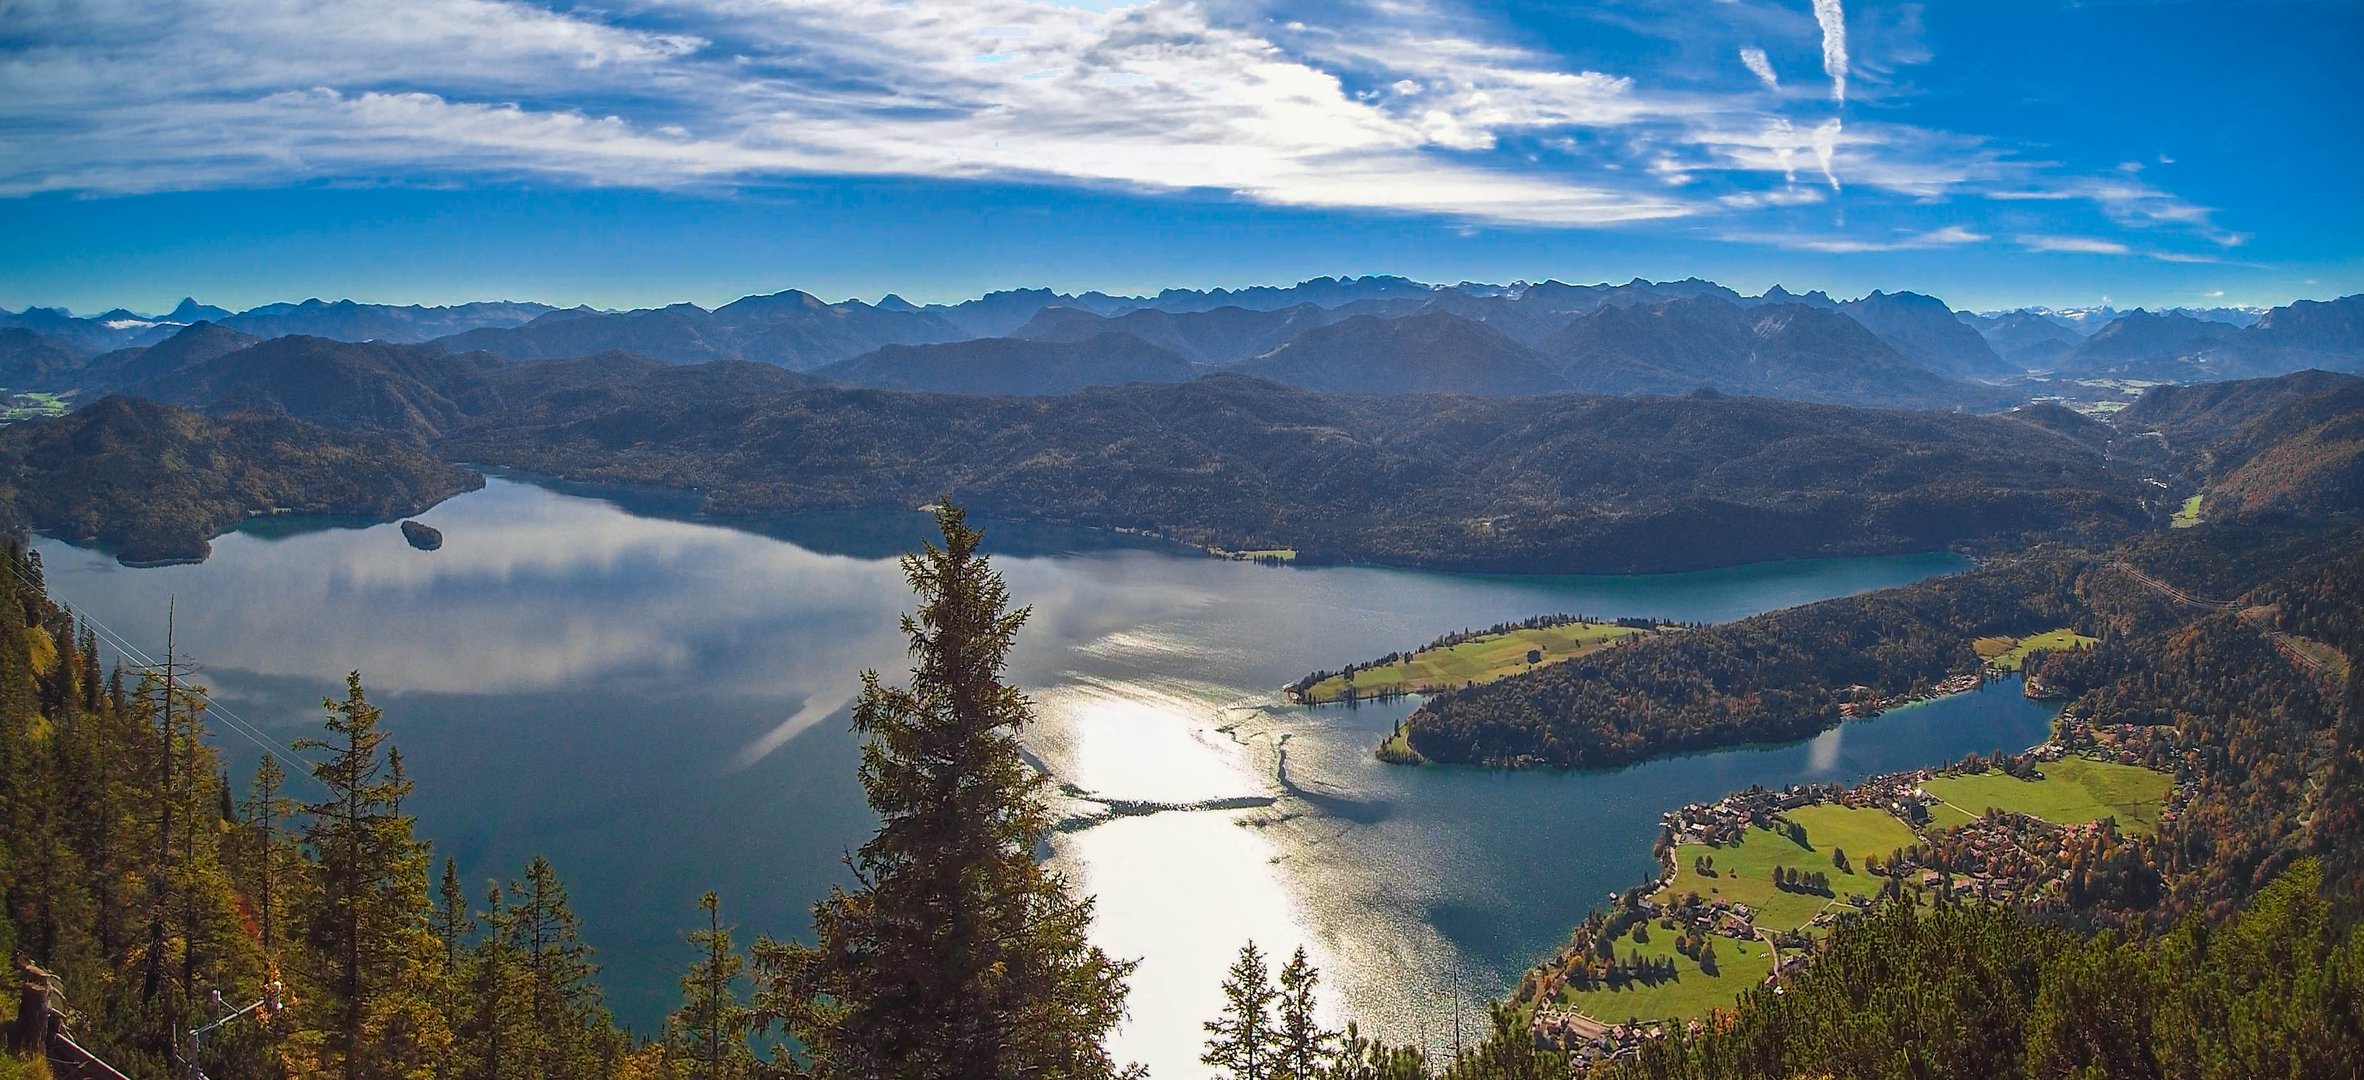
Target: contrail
(1834,46)
(1762,67)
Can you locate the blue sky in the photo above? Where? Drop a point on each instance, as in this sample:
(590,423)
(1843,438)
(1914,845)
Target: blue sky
(648,151)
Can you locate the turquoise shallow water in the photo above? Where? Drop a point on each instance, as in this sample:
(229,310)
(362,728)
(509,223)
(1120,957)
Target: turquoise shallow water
(657,704)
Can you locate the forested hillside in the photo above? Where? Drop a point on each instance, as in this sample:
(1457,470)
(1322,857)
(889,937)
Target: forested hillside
(1561,482)
(1962,992)
(154,483)
(1791,673)
(138,875)
(1775,677)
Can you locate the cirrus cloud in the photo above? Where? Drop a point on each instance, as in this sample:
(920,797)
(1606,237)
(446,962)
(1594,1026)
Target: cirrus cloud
(1399,106)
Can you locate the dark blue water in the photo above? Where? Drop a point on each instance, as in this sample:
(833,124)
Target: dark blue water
(657,704)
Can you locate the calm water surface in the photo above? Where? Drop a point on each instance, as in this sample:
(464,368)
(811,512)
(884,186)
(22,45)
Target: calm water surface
(659,705)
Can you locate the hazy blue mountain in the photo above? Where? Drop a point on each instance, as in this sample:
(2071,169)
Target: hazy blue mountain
(188,346)
(1000,314)
(2230,316)
(2141,336)
(190,311)
(1014,366)
(346,320)
(1810,298)
(1430,352)
(792,329)
(1218,336)
(2024,339)
(1924,330)
(78,335)
(31,360)
(1325,292)
(1770,350)
(2324,326)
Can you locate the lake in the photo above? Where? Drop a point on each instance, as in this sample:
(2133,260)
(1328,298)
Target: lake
(658,704)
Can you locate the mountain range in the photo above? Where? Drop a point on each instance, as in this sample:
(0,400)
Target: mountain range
(1359,335)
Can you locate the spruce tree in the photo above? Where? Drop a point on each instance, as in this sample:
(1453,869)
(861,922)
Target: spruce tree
(576,1038)
(454,924)
(712,1024)
(369,926)
(958,954)
(1305,1046)
(497,1041)
(266,814)
(1242,1043)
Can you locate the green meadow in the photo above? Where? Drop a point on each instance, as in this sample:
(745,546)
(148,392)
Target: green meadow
(2007,654)
(1480,659)
(1743,873)
(2187,515)
(2073,791)
(1692,992)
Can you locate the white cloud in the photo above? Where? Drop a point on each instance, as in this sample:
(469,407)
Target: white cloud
(1761,66)
(1826,149)
(1793,196)
(1949,236)
(1411,106)
(2078,245)
(1154,96)
(1833,21)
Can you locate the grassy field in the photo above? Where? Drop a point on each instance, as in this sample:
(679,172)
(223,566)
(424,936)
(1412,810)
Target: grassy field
(2073,791)
(14,407)
(1482,659)
(1739,965)
(1744,871)
(2187,515)
(2007,653)
(1744,874)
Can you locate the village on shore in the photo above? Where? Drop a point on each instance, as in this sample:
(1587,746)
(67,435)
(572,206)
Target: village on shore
(1956,854)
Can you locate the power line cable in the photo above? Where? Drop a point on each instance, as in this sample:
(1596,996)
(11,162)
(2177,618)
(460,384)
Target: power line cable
(244,728)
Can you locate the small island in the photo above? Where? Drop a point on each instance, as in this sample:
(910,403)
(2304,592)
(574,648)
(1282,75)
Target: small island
(422,537)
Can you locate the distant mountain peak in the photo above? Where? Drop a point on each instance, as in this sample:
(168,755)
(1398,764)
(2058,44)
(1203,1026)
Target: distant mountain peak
(189,311)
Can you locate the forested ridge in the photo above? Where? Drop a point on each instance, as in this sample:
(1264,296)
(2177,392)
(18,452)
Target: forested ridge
(1778,676)
(1565,482)
(1977,991)
(154,483)
(1792,673)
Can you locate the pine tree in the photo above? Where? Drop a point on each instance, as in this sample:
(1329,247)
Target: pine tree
(562,988)
(454,925)
(1305,1047)
(494,1041)
(266,813)
(1359,1058)
(369,928)
(958,954)
(712,1023)
(1241,1042)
